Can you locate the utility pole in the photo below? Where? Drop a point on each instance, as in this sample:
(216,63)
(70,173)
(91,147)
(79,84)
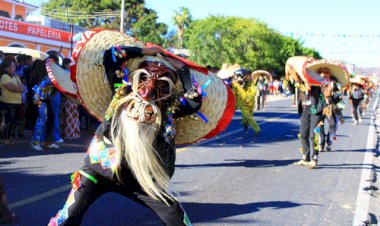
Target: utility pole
(122,16)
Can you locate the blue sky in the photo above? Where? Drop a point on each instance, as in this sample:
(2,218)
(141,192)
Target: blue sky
(342,30)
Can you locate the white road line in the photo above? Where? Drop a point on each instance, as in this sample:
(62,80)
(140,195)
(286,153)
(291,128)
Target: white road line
(39,196)
(67,187)
(237,130)
(363,199)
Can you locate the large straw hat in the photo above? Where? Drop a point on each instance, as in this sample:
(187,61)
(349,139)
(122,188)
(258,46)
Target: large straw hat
(93,87)
(61,80)
(337,69)
(297,66)
(95,93)
(218,107)
(255,75)
(228,70)
(358,79)
(375,81)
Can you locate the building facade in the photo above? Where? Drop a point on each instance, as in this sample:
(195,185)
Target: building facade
(16,32)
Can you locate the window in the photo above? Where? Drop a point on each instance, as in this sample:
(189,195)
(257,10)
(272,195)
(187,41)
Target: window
(17,45)
(4,14)
(19,18)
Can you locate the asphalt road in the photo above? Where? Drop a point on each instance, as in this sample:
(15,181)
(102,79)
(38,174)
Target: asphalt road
(233,179)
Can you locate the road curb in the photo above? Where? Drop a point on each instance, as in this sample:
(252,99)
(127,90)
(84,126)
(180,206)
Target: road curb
(367,204)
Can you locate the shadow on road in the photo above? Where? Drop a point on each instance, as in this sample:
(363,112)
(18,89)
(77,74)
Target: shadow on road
(276,131)
(244,163)
(216,211)
(349,166)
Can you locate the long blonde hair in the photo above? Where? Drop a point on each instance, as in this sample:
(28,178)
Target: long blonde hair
(134,142)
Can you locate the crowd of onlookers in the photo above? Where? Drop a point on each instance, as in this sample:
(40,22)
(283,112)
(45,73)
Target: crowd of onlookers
(29,101)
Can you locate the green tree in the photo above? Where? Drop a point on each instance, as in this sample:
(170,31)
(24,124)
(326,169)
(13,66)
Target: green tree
(139,21)
(147,29)
(85,13)
(248,42)
(182,19)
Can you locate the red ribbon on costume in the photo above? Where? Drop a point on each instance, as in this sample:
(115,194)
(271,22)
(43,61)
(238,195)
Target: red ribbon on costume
(188,63)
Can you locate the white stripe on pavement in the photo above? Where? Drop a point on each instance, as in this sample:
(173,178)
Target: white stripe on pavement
(239,130)
(362,202)
(39,196)
(67,187)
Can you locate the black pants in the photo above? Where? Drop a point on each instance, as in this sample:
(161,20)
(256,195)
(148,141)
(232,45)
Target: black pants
(333,126)
(355,106)
(308,124)
(89,191)
(10,119)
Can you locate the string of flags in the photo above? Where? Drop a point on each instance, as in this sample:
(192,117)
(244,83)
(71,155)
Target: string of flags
(326,35)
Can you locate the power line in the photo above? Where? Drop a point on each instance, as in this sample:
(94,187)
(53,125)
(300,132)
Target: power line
(54,11)
(334,35)
(88,16)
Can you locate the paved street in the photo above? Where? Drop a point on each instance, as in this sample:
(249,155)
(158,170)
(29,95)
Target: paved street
(233,179)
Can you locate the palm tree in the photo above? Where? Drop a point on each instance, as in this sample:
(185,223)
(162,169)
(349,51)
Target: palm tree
(182,20)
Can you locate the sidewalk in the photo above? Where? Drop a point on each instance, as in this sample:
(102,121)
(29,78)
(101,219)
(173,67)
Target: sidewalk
(22,145)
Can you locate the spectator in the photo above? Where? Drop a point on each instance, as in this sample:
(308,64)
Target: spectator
(55,106)
(23,63)
(271,88)
(11,90)
(276,87)
(281,88)
(37,73)
(1,56)
(42,94)
(71,114)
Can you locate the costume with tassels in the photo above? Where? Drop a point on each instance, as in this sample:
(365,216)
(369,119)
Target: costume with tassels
(357,95)
(162,101)
(306,72)
(332,112)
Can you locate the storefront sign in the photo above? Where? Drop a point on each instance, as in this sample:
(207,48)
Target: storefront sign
(34,30)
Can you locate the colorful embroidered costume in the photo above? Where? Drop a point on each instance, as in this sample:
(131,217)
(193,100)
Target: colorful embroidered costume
(310,76)
(158,104)
(245,101)
(332,113)
(42,92)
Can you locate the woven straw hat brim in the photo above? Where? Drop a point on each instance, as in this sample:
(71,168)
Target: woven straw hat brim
(365,78)
(61,80)
(337,70)
(228,70)
(375,81)
(95,93)
(357,80)
(297,64)
(255,75)
(214,107)
(93,88)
